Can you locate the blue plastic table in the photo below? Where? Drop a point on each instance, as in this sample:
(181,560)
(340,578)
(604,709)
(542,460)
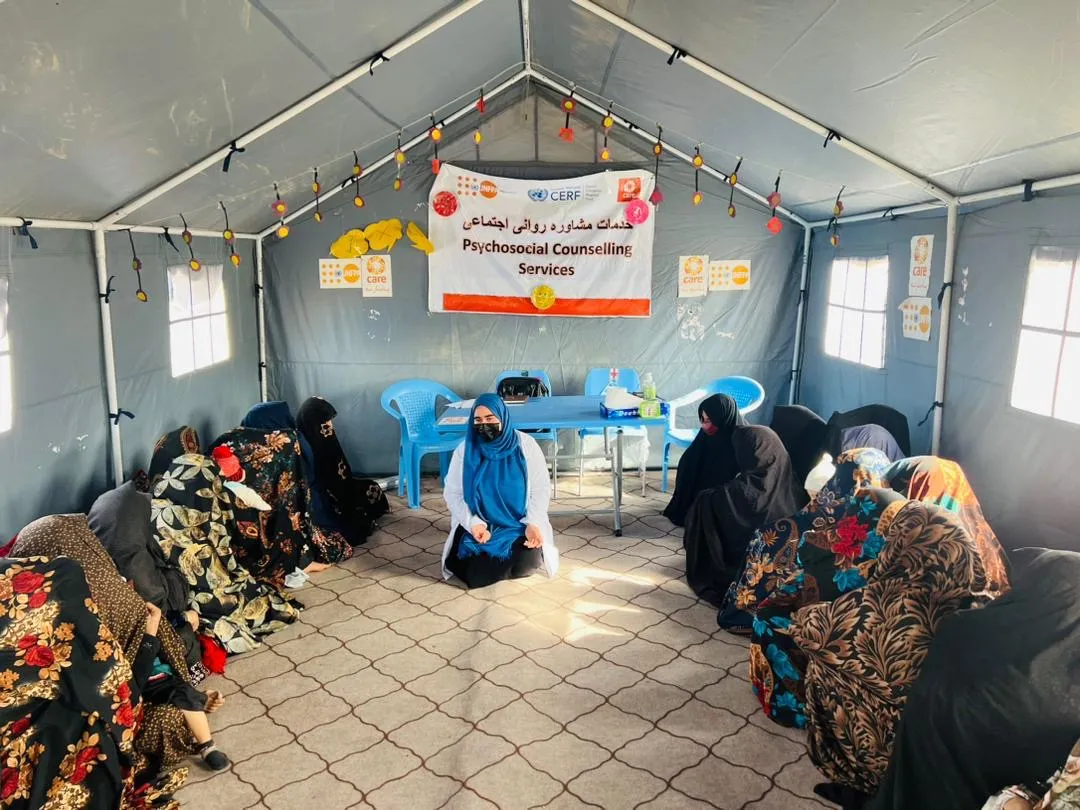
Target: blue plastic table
(569,413)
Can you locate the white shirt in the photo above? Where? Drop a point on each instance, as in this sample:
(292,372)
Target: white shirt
(538,500)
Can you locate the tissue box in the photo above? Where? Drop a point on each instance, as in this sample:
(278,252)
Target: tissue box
(629,413)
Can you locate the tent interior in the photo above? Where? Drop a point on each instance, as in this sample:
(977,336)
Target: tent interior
(123,124)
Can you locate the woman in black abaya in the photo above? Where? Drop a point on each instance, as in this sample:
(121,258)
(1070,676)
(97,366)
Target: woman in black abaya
(722,521)
(710,460)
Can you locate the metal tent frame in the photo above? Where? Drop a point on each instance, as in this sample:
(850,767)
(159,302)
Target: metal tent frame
(941,197)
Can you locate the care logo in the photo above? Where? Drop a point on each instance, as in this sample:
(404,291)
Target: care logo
(376,266)
(468,186)
(629,188)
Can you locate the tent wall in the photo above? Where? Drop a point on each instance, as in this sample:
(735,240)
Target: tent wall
(210,400)
(1022,466)
(907,381)
(55,457)
(348,349)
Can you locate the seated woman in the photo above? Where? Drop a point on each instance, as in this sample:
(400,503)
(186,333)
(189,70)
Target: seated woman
(870,436)
(709,461)
(942,482)
(268,450)
(722,521)
(882,415)
(804,434)
(340,503)
(772,559)
(70,715)
(866,648)
(193,519)
(175,725)
(997,701)
(498,492)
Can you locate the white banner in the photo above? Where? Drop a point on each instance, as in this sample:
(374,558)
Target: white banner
(580,247)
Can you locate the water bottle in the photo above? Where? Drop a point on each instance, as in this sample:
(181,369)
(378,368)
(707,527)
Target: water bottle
(648,387)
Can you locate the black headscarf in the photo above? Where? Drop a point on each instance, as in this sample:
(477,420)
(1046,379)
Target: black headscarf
(340,502)
(722,521)
(997,701)
(889,418)
(180,442)
(804,435)
(709,461)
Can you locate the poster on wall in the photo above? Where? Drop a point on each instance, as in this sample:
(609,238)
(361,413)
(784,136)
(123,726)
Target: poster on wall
(340,274)
(725,276)
(918,316)
(378,283)
(580,247)
(693,276)
(922,251)
(369,274)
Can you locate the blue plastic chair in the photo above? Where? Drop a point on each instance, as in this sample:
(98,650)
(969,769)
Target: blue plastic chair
(412,403)
(748,394)
(595,382)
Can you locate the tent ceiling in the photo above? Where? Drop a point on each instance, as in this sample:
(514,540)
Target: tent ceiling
(101,101)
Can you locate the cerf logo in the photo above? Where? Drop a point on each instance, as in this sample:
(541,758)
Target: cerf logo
(488,189)
(629,189)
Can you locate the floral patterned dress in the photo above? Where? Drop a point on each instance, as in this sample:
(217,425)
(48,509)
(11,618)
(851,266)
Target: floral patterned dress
(69,713)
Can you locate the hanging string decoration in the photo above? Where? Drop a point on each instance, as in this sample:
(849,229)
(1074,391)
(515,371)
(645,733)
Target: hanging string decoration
(657,195)
(834,222)
(733,178)
(607,124)
(697,162)
(435,133)
(399,162)
(568,107)
(136,265)
(481,106)
(229,237)
(775,224)
(357,172)
(316,188)
(731,202)
(24,230)
(185,234)
(168,238)
(280,208)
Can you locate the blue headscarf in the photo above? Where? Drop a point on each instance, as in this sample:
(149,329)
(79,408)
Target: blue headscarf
(495,480)
(269,416)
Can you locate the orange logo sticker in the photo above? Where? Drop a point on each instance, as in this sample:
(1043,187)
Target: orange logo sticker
(351,273)
(629,189)
(488,189)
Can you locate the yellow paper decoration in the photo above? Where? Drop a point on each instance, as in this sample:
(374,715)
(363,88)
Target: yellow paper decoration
(350,245)
(383,235)
(419,239)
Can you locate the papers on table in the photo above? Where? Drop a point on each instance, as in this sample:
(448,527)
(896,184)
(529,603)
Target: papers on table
(454,420)
(465,403)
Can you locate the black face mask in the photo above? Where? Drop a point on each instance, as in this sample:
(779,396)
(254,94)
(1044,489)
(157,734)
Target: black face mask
(488,432)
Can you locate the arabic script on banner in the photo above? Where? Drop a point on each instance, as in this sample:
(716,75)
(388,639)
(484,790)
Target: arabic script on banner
(579,247)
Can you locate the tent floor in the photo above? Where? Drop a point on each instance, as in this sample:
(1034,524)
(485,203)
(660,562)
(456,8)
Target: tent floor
(610,686)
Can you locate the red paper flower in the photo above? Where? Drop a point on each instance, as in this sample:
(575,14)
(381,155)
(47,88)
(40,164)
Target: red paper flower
(40,657)
(279,207)
(774,199)
(775,225)
(567,134)
(445,203)
(27,582)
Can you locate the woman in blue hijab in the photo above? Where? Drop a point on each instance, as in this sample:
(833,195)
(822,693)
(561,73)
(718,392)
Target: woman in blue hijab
(498,492)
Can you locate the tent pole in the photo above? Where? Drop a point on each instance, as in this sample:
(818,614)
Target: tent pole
(800,318)
(951,228)
(260,314)
(764,100)
(109,355)
(668,148)
(362,70)
(526,35)
(74,225)
(412,143)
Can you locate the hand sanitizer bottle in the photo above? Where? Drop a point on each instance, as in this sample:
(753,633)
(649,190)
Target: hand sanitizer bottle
(650,406)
